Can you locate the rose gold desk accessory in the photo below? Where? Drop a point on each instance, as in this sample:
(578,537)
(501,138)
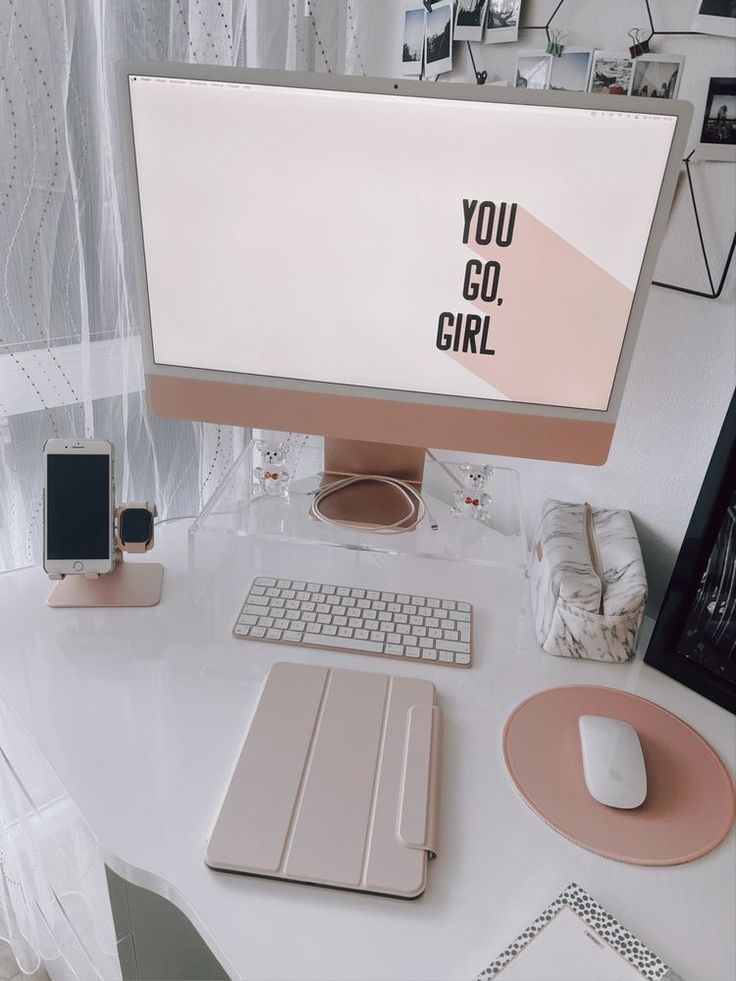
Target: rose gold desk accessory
(689,807)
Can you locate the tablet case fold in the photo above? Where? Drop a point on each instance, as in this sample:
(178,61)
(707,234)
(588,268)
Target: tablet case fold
(336,783)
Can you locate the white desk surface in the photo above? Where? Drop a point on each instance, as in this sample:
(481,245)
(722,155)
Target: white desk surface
(142,713)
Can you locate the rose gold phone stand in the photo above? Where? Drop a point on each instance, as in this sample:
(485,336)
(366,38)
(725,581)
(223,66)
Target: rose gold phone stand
(129,584)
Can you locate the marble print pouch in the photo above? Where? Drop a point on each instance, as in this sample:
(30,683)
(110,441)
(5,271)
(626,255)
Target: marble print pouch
(589,587)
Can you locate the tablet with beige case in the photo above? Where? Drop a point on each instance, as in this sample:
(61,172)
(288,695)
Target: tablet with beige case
(336,783)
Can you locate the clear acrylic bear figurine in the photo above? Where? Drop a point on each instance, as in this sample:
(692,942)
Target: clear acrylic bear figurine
(473,500)
(272,478)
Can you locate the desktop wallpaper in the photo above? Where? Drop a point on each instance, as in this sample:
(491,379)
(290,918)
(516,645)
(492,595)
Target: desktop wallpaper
(430,245)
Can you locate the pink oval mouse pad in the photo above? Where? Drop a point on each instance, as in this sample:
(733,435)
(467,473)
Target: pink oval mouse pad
(690,801)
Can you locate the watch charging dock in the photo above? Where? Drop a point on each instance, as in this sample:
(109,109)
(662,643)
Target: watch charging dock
(129,584)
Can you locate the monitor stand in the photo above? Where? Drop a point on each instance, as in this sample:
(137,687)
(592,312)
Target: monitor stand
(370,503)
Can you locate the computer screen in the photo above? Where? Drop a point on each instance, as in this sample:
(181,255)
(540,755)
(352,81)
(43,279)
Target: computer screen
(451,251)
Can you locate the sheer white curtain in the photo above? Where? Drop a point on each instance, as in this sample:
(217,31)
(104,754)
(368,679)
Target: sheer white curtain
(70,359)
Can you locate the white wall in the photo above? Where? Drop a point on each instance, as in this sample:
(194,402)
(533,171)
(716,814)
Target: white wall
(684,368)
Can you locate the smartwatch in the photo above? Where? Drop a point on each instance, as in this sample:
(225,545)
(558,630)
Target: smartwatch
(135,525)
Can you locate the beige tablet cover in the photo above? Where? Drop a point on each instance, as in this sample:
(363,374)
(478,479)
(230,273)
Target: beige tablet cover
(336,783)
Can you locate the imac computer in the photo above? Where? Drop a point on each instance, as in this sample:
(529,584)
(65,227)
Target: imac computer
(394,264)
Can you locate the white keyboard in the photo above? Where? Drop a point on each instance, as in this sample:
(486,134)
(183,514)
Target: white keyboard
(359,621)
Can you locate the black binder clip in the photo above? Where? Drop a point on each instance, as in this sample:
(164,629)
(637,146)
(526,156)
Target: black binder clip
(640,43)
(556,42)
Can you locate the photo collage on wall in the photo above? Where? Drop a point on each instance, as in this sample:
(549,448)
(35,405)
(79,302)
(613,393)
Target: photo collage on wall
(427,39)
(608,72)
(430,28)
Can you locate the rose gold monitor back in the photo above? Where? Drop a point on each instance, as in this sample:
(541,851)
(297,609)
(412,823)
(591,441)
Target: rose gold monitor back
(391,261)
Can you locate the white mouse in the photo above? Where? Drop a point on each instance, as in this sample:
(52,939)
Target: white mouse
(613,762)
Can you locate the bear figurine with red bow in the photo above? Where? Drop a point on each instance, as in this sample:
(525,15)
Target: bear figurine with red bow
(472,500)
(272,478)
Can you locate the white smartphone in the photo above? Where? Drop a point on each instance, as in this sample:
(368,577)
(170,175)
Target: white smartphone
(79,507)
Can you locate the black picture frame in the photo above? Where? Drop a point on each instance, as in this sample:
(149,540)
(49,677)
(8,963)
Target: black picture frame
(711,512)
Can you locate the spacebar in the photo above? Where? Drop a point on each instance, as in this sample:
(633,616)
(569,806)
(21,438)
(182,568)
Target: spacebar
(349,643)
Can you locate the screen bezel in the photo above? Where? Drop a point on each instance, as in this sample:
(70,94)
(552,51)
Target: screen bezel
(71,566)
(681,111)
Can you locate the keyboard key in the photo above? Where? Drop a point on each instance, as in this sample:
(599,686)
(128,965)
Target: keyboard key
(258,601)
(448,604)
(283,583)
(378,635)
(323,608)
(292,636)
(345,632)
(288,594)
(350,643)
(396,649)
(402,598)
(258,590)
(388,597)
(273,591)
(463,616)
(282,624)
(434,632)
(358,593)
(428,653)
(262,581)
(302,595)
(361,635)
(257,631)
(426,642)
(242,630)
(343,591)
(465,607)
(419,631)
(451,635)
(330,629)
(412,651)
(298,584)
(446,656)
(393,638)
(274,634)
(265,622)
(314,628)
(313,587)
(248,619)
(401,618)
(324,618)
(452,645)
(309,617)
(465,632)
(371,594)
(340,621)
(462,658)
(409,640)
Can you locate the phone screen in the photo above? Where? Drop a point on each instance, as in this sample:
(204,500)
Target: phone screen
(78,506)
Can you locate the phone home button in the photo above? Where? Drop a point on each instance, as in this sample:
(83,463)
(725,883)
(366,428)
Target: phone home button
(78,566)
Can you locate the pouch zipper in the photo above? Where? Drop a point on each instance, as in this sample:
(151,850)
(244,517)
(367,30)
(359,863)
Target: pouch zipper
(595,560)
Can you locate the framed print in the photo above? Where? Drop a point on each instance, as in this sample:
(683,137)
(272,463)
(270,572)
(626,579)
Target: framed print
(715,17)
(611,73)
(412,48)
(469,18)
(438,38)
(694,638)
(571,71)
(657,76)
(502,21)
(533,70)
(718,130)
